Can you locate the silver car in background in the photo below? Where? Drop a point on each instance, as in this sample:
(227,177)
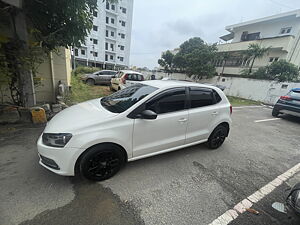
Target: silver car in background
(99,77)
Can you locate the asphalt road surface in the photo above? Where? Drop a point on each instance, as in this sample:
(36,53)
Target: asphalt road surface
(189,186)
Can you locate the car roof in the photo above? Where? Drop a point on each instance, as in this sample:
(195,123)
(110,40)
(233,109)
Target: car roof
(130,71)
(175,83)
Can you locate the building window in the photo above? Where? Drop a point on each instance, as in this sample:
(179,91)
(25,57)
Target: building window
(122,47)
(113,7)
(95,13)
(122,35)
(112,33)
(122,23)
(95,28)
(112,47)
(76,52)
(82,52)
(121,58)
(107,20)
(285,30)
(95,41)
(106,57)
(123,10)
(111,57)
(106,33)
(112,20)
(106,46)
(107,5)
(95,54)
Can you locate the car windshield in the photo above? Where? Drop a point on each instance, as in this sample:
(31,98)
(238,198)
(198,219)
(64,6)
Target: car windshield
(124,99)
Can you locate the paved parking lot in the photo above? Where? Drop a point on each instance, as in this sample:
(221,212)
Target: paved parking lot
(190,186)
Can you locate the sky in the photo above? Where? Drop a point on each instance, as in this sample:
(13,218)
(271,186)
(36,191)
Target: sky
(160,25)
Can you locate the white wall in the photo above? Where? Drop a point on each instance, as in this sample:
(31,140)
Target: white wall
(269,29)
(264,91)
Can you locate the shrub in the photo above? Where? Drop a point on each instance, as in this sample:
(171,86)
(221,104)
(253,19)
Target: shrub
(83,70)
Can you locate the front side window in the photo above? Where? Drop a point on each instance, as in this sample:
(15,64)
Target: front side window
(122,100)
(172,101)
(201,97)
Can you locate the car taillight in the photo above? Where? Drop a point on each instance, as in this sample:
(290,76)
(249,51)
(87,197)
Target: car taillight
(287,98)
(230,109)
(123,79)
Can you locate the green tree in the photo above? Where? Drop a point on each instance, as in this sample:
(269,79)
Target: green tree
(166,61)
(254,52)
(196,58)
(281,71)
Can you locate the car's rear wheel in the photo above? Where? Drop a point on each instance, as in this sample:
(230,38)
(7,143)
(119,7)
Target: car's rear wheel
(90,82)
(101,162)
(275,112)
(217,137)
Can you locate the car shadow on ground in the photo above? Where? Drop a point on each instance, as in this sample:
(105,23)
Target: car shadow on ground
(290,118)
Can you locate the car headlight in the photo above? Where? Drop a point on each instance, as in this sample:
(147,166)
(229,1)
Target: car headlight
(56,140)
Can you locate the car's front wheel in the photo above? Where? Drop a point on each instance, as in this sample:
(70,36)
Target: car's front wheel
(217,137)
(101,162)
(90,82)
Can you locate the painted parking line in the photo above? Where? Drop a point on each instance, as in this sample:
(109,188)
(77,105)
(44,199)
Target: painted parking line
(242,206)
(247,107)
(266,120)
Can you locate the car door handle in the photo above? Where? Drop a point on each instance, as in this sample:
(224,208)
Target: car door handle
(215,113)
(182,120)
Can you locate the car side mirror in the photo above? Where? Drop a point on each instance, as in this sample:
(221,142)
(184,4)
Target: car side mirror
(147,114)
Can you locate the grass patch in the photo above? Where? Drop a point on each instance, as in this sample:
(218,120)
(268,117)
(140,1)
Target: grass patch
(235,101)
(81,92)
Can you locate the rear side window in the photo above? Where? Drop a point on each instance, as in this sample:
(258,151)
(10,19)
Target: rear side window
(201,97)
(295,94)
(171,101)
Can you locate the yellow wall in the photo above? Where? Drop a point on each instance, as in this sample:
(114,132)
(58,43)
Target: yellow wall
(46,92)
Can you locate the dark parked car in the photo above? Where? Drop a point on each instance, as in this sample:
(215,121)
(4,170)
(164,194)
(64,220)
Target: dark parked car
(288,104)
(99,77)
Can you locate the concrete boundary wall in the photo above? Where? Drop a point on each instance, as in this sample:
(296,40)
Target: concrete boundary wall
(265,91)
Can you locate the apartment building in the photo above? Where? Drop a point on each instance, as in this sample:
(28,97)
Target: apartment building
(108,44)
(280,32)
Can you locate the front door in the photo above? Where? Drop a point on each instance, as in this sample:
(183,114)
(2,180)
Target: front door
(168,129)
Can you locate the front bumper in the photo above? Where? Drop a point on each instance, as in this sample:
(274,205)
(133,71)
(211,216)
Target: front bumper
(58,160)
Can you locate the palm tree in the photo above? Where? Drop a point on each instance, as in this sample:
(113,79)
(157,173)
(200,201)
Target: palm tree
(225,56)
(254,51)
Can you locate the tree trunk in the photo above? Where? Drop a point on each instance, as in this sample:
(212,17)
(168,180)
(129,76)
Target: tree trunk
(251,66)
(26,80)
(223,68)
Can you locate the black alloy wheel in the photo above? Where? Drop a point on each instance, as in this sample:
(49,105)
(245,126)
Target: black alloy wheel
(101,163)
(217,137)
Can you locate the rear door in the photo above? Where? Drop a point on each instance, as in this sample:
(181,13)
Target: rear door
(168,129)
(203,113)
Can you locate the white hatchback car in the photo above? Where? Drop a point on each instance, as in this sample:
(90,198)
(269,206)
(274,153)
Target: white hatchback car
(125,78)
(96,138)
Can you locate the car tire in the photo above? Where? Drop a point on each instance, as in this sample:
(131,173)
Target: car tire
(275,112)
(217,137)
(119,88)
(90,82)
(101,162)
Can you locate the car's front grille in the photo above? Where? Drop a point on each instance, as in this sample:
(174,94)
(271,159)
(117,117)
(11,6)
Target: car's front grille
(49,162)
